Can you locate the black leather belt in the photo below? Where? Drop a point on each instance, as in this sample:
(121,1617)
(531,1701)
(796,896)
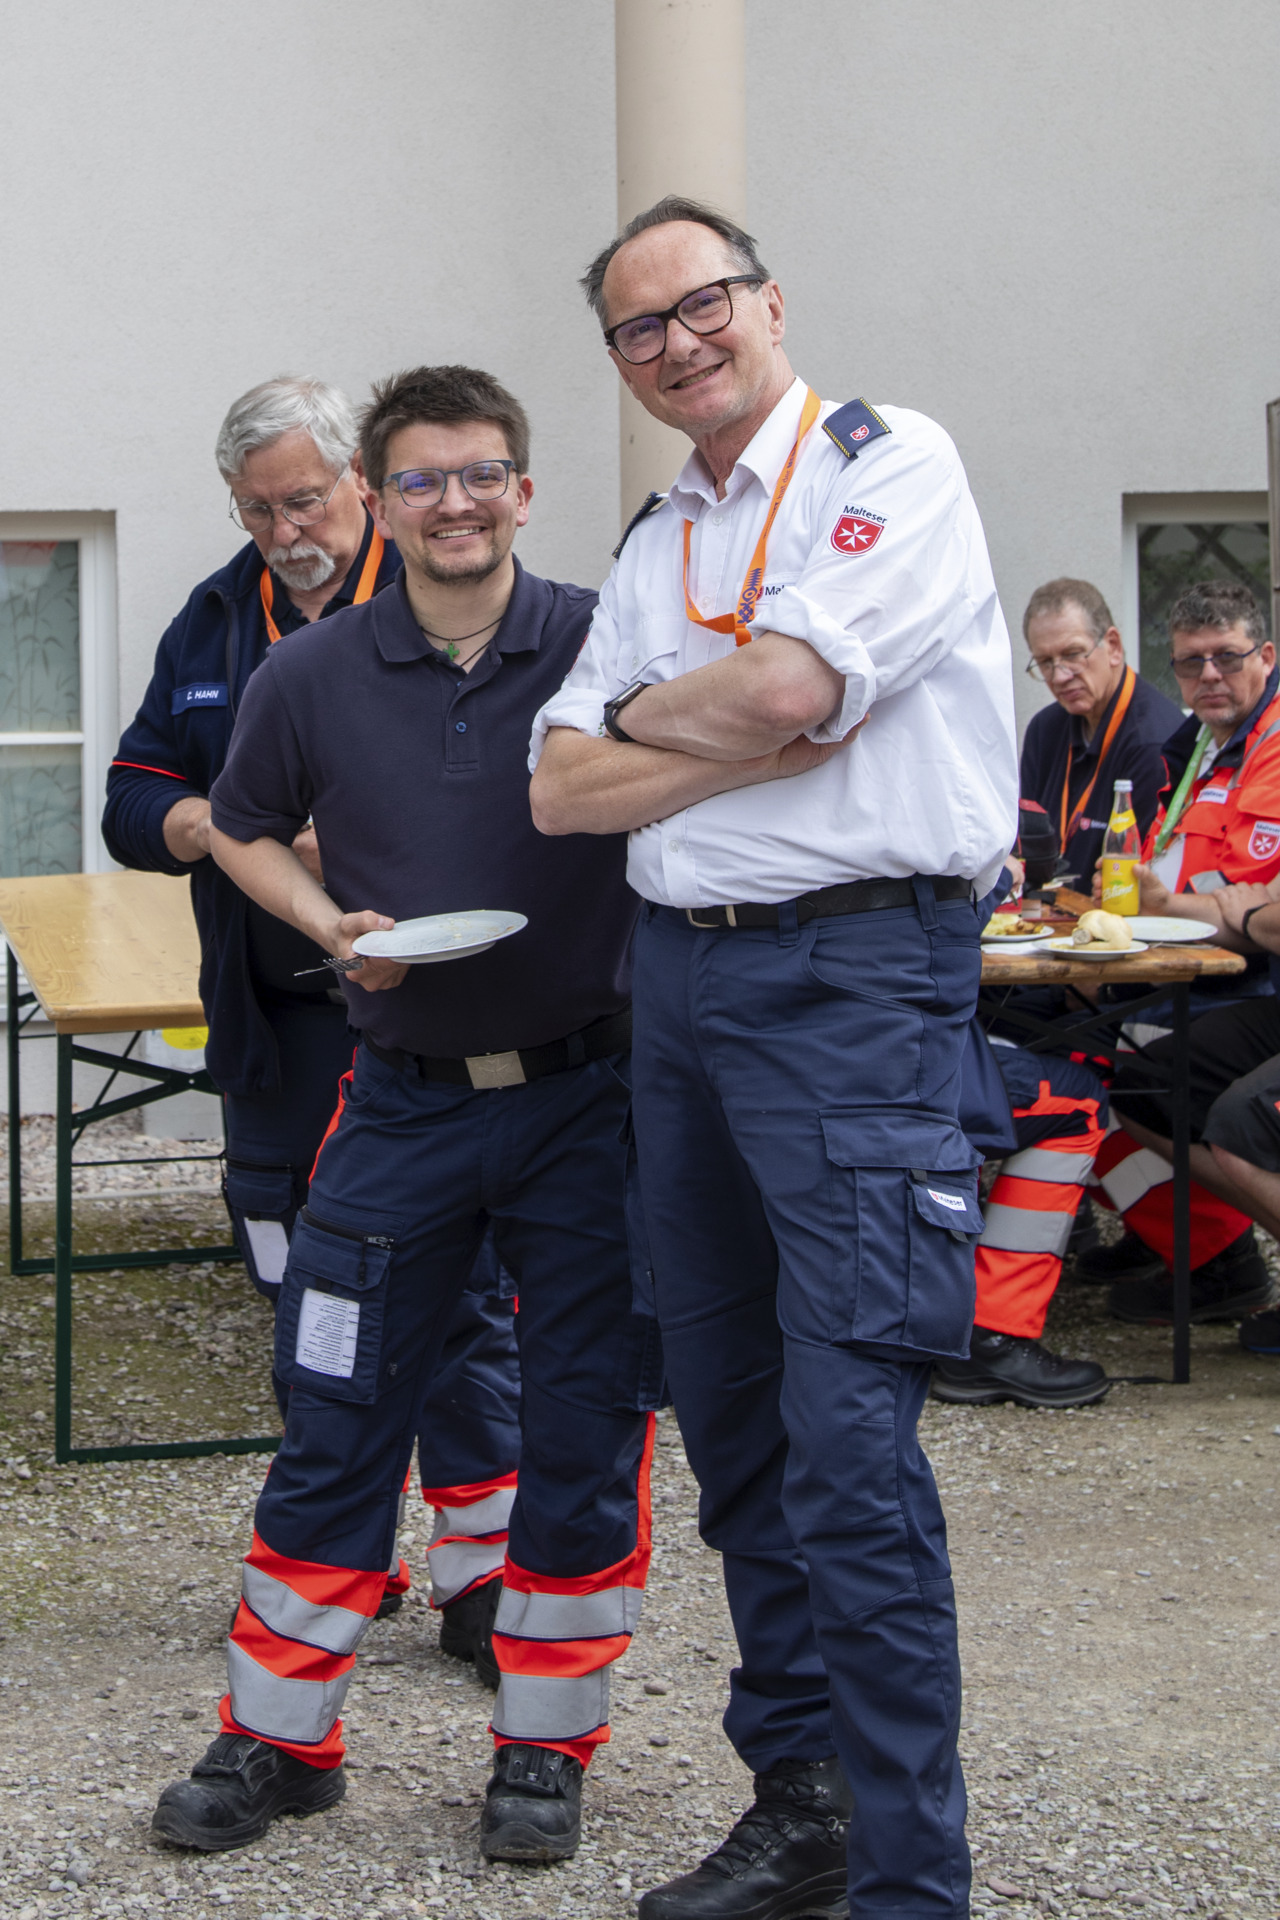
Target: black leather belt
(855,896)
(602,1037)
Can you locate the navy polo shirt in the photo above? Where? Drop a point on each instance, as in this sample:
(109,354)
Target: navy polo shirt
(417,777)
(1054,735)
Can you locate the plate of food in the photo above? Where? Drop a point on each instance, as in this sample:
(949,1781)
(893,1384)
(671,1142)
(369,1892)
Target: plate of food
(1098,936)
(1156,930)
(440,936)
(1013,929)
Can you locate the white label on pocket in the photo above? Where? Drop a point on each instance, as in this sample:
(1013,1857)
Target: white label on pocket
(269,1245)
(327,1330)
(952,1200)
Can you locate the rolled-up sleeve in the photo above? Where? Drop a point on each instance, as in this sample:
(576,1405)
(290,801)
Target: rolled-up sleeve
(592,680)
(884,614)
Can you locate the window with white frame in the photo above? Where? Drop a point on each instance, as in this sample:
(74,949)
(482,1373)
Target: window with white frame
(1175,539)
(57,674)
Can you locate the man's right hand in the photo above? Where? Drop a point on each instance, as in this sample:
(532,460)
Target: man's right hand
(798,756)
(186,829)
(375,976)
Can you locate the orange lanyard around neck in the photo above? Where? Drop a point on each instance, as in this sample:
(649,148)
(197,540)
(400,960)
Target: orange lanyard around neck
(1068,826)
(738,622)
(364,591)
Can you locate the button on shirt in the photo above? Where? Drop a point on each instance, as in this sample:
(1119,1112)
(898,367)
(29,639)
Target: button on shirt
(415,774)
(880,564)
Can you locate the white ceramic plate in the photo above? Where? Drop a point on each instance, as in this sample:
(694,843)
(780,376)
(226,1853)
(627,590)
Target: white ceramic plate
(1155,929)
(1069,951)
(1015,941)
(440,936)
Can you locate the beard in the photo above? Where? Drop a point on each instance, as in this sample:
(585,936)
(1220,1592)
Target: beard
(478,569)
(302,566)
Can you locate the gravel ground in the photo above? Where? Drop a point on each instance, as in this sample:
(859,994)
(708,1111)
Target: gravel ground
(1115,1570)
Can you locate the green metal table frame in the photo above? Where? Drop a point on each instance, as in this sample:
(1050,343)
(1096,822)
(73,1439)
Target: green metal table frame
(65,1264)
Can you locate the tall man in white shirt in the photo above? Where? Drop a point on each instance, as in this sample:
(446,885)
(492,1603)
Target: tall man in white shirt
(806,967)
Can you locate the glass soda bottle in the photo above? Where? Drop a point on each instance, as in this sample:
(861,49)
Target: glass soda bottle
(1120,853)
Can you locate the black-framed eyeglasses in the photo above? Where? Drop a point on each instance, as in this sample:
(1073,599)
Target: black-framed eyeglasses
(426,486)
(707,309)
(1192,665)
(300,509)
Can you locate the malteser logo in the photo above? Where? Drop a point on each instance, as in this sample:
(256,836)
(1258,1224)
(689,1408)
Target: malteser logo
(856,531)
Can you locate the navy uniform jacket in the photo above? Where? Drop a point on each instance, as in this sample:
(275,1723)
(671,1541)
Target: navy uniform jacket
(177,745)
(1135,755)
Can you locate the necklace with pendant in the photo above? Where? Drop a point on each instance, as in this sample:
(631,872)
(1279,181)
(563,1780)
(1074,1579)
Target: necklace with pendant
(451,646)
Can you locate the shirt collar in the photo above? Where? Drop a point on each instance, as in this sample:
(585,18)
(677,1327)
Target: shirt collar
(762,459)
(399,637)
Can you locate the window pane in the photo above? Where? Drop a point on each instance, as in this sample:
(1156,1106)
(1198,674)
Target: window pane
(1173,556)
(39,636)
(39,810)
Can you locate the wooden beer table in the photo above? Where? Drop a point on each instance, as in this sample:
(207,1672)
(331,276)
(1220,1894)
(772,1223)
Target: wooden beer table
(1166,975)
(103,953)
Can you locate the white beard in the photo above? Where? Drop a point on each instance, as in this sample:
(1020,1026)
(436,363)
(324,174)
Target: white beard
(302,566)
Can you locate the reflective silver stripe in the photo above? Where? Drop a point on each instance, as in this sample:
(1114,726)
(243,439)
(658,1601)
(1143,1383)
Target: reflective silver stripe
(262,1702)
(531,1708)
(569,1616)
(458,1564)
(336,1629)
(1024,1230)
(489,1515)
(1037,1163)
(1135,1176)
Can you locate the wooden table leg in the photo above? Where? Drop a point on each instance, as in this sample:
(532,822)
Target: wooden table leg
(1180,1090)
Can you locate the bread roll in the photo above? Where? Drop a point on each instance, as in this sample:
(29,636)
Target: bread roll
(1099,929)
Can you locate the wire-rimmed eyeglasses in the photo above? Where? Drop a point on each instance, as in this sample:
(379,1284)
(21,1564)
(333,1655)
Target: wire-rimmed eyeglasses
(707,309)
(1069,662)
(426,486)
(300,509)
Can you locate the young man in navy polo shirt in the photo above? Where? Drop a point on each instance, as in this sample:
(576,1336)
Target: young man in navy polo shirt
(488,1091)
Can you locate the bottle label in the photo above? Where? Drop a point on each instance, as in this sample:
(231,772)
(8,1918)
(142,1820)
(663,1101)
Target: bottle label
(1119,884)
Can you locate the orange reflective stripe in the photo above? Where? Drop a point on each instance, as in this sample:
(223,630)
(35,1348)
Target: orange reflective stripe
(557,1659)
(467,1496)
(364,587)
(1068,827)
(332,1127)
(738,623)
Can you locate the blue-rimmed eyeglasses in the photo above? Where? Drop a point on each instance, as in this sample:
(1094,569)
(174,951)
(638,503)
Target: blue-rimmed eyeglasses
(707,309)
(426,486)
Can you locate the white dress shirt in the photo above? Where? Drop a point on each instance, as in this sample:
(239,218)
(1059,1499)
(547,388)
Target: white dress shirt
(880,564)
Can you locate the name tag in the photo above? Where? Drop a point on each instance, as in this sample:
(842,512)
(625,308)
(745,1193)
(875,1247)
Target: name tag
(203,693)
(328,1327)
(1218,795)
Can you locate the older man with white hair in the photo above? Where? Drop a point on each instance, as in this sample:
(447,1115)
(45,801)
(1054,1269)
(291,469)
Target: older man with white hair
(278,1039)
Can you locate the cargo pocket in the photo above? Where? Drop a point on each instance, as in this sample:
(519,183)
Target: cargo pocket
(905,1212)
(261,1203)
(329,1330)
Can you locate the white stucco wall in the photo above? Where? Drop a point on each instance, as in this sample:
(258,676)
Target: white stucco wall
(1051,226)
(197,197)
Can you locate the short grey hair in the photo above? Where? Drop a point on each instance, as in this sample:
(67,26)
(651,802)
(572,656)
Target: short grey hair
(1057,595)
(741,247)
(287,404)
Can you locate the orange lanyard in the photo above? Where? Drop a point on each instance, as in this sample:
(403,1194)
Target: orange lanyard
(738,623)
(364,591)
(1068,827)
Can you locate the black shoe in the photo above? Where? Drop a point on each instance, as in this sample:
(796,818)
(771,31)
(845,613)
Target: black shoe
(1260,1332)
(466,1628)
(1084,1231)
(533,1806)
(1001,1366)
(237,1790)
(1126,1259)
(785,1857)
(390,1603)
(1224,1288)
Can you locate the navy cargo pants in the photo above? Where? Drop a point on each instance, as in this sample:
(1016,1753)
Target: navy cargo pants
(405,1188)
(812,1207)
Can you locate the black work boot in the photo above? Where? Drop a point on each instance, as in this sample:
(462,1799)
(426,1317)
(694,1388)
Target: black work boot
(1125,1259)
(533,1806)
(1227,1287)
(1003,1366)
(466,1628)
(237,1790)
(785,1857)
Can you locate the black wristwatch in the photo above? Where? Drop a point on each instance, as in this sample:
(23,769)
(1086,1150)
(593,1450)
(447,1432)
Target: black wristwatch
(613,707)
(1244,923)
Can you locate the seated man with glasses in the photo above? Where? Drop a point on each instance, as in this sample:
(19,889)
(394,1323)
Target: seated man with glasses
(278,1037)
(1218,826)
(1108,723)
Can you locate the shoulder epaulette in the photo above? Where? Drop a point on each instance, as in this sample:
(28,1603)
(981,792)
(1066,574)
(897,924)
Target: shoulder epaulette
(654,500)
(851,426)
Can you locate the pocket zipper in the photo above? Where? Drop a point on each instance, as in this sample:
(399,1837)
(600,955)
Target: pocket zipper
(383,1240)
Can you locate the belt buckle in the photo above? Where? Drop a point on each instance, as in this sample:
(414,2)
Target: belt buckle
(711,926)
(495,1070)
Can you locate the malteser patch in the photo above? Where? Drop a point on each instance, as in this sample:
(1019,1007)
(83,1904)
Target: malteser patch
(1264,841)
(857,530)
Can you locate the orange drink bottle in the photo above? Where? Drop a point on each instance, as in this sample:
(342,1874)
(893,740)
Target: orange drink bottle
(1120,853)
